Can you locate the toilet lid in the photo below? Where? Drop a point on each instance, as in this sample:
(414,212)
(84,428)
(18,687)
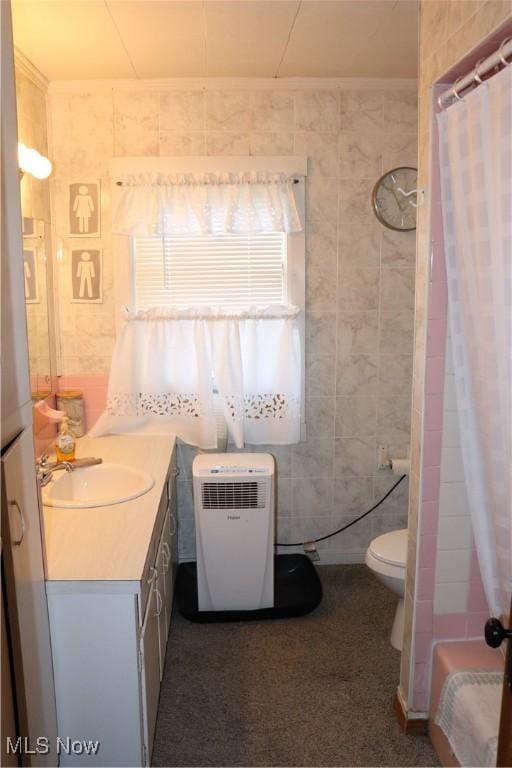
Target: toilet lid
(391,547)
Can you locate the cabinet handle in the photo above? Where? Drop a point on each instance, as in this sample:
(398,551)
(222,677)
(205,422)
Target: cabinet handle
(159,602)
(167,549)
(165,566)
(173,518)
(17,542)
(154,574)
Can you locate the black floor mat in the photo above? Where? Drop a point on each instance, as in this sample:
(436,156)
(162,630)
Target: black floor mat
(297,591)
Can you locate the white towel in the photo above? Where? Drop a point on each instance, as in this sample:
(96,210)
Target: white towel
(469,713)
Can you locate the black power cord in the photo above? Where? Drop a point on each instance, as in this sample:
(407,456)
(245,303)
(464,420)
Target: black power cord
(340,530)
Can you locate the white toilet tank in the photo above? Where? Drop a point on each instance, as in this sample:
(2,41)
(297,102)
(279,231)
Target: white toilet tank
(234,517)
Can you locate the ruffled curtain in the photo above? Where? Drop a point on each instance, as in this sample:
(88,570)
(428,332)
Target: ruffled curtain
(174,204)
(166,363)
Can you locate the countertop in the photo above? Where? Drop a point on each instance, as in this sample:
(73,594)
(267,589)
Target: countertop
(108,543)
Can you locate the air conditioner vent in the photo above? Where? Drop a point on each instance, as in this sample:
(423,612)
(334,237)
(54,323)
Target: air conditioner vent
(234,495)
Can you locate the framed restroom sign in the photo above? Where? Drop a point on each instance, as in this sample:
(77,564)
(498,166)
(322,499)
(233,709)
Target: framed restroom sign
(84,209)
(86,276)
(30,275)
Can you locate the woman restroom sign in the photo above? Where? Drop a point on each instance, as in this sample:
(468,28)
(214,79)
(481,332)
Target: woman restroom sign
(84,209)
(86,278)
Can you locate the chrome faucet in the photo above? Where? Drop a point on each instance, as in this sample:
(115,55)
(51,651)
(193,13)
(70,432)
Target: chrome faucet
(45,470)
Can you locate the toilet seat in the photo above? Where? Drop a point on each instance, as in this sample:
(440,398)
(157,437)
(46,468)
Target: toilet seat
(390,548)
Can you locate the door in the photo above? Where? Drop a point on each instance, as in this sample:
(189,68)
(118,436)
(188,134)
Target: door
(8,730)
(150,668)
(16,403)
(495,634)
(27,610)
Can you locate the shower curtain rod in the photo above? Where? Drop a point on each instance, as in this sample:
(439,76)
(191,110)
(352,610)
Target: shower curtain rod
(482,67)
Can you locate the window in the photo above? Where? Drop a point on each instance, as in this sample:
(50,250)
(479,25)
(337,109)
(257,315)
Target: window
(231,271)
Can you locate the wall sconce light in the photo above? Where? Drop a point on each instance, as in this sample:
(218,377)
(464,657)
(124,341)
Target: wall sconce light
(30,161)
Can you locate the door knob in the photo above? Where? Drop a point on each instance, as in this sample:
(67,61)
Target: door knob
(495,633)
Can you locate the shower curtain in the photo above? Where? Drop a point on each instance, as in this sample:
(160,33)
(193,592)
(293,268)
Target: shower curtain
(475,143)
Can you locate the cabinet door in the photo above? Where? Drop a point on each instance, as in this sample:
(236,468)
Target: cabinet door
(27,608)
(162,568)
(150,663)
(169,537)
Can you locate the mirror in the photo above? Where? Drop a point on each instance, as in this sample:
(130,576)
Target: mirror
(35,270)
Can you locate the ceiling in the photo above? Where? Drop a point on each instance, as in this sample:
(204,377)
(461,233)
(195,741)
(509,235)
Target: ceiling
(86,39)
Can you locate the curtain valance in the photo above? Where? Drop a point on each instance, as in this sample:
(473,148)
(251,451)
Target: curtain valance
(166,364)
(172,204)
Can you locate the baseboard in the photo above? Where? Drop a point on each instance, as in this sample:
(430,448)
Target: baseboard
(414,726)
(329,556)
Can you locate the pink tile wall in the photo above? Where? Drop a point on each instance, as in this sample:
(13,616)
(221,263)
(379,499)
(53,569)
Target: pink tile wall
(94,388)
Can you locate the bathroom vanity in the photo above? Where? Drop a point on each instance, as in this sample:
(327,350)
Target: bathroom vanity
(110,580)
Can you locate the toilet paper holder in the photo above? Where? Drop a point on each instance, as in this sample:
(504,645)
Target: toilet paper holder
(399,466)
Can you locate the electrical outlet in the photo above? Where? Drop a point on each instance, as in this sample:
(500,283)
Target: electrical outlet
(311,551)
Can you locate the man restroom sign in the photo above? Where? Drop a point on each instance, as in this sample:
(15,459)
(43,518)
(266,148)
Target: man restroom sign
(84,209)
(86,277)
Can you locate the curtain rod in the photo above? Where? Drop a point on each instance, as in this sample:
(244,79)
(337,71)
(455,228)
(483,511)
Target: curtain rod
(482,67)
(123,183)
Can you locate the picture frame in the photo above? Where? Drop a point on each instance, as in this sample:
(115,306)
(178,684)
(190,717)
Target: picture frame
(86,276)
(30,275)
(84,209)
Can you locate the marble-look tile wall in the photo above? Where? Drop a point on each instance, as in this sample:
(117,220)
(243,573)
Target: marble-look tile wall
(450,31)
(360,276)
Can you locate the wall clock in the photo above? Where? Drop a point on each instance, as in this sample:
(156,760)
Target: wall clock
(394,199)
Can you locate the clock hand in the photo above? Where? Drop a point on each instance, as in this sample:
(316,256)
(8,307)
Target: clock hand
(407,194)
(398,201)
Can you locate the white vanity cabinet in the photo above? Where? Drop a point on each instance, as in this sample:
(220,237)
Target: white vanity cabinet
(108,642)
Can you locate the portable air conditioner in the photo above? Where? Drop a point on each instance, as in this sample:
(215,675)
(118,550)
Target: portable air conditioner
(234,519)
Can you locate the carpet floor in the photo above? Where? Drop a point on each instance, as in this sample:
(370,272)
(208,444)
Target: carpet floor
(312,691)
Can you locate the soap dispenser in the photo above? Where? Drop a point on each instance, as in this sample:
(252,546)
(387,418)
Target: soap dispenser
(65,443)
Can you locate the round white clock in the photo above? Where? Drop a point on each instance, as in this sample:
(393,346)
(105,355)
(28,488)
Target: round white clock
(394,199)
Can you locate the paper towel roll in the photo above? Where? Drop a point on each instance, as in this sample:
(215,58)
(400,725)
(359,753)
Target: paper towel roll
(400,466)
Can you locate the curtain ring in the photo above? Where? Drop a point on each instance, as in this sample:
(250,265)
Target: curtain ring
(500,52)
(454,89)
(476,75)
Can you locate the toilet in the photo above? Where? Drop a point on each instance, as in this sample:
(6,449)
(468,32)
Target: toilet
(386,557)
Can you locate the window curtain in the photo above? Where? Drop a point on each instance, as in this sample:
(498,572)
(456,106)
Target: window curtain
(475,141)
(167,362)
(161,204)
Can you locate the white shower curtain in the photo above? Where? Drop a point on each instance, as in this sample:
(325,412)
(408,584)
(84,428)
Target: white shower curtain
(167,362)
(475,136)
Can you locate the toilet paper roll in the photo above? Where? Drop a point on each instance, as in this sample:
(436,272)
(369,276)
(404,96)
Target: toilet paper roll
(400,466)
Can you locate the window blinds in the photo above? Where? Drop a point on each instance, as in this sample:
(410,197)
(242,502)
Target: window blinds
(230,271)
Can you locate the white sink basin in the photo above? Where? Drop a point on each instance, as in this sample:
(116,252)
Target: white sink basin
(96,486)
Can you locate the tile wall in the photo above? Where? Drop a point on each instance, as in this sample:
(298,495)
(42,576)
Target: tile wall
(453,36)
(360,276)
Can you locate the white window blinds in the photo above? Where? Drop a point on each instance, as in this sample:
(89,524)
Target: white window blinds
(231,271)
